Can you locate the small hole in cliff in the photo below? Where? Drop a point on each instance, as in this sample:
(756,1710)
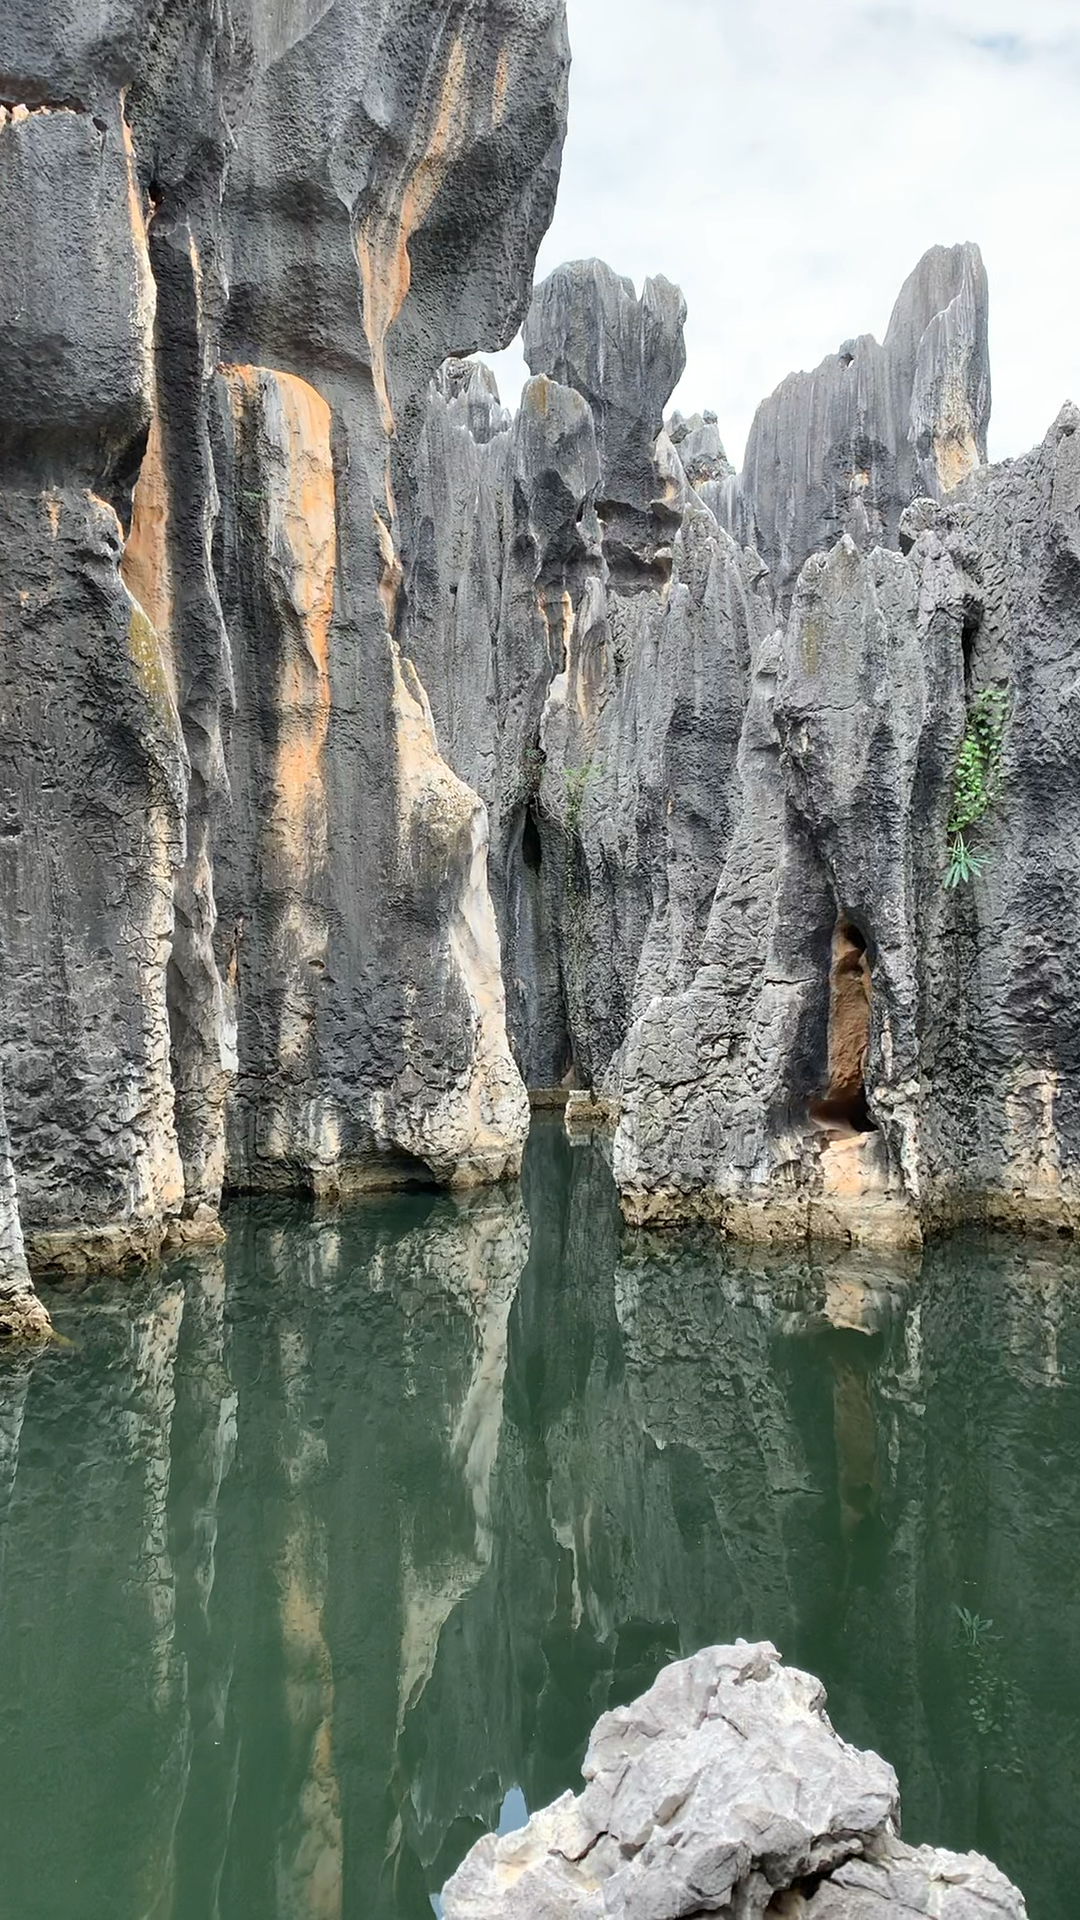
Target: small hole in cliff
(532,849)
(843,1108)
(969,635)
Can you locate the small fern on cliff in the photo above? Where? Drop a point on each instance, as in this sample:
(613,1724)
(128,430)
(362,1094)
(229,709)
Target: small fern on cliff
(976,781)
(577,784)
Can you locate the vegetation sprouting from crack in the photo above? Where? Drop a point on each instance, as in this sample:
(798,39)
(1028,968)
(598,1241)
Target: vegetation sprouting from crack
(976,781)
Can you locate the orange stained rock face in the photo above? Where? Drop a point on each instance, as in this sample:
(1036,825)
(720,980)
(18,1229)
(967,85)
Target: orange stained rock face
(390,576)
(558,617)
(382,243)
(145,568)
(955,458)
(291,426)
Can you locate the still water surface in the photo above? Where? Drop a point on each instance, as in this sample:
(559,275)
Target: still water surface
(321,1553)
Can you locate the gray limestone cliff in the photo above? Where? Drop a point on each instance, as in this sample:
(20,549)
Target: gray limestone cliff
(719,721)
(372,755)
(867,1050)
(246,935)
(585,628)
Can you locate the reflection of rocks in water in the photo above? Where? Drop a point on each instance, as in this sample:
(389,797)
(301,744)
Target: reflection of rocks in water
(14,1387)
(493,1253)
(715,1441)
(314,1548)
(203,1449)
(271,1515)
(383,1432)
(92,1723)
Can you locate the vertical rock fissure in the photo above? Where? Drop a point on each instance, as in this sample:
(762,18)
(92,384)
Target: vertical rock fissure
(540,1020)
(843,1109)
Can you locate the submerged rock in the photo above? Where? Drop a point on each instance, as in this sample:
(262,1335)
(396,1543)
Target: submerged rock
(724,1790)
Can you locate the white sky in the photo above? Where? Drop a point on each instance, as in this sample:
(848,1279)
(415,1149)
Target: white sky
(786,162)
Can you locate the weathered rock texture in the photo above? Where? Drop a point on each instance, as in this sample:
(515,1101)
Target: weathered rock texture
(716,722)
(584,627)
(22,1316)
(864,1052)
(851,444)
(724,1790)
(246,932)
(371,756)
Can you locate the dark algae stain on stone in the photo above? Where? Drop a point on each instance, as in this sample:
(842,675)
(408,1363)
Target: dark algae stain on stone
(373,1513)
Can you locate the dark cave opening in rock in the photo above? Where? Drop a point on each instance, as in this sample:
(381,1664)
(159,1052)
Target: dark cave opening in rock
(532,847)
(843,1107)
(969,635)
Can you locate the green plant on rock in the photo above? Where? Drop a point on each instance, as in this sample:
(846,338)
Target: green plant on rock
(577,784)
(962,864)
(976,781)
(533,762)
(987,1691)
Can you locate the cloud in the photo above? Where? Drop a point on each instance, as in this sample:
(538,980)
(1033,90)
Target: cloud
(787,162)
(1008,46)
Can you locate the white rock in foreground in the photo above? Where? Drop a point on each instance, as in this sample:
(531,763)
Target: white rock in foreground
(724,1790)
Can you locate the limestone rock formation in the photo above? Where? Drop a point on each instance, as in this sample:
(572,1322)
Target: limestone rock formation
(847,447)
(847,749)
(866,1051)
(247,937)
(997,978)
(724,1790)
(584,627)
(719,776)
(372,756)
(587,330)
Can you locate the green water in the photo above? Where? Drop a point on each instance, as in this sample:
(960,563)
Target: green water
(315,1549)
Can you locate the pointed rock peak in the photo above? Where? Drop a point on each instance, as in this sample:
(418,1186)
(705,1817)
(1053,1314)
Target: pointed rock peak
(1067,422)
(944,274)
(466,380)
(470,391)
(697,441)
(587,328)
(849,446)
